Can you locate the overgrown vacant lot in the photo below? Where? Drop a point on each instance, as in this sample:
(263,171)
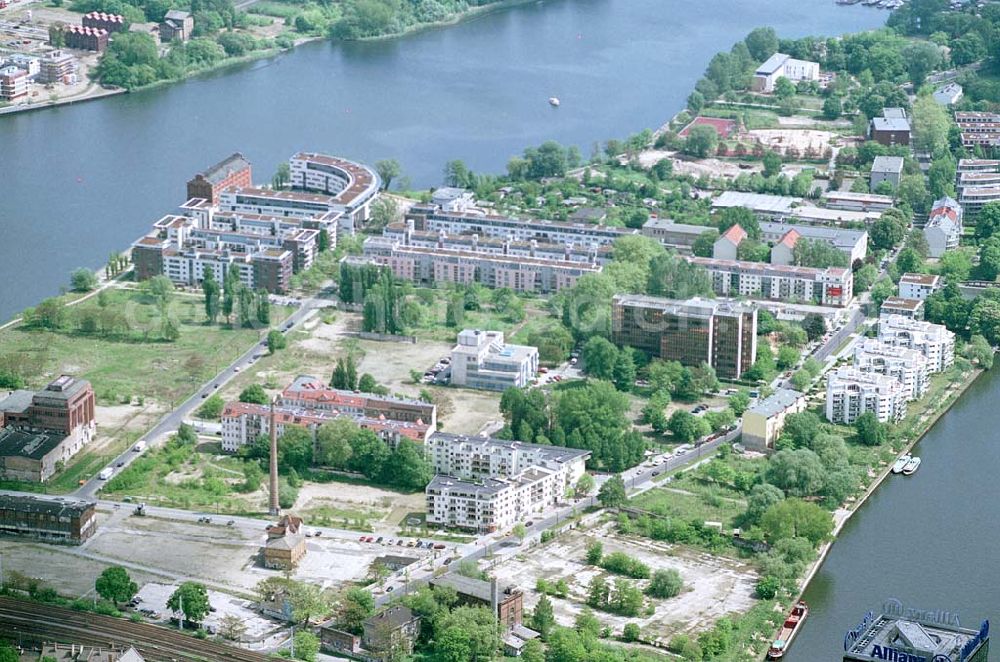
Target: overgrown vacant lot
(134,361)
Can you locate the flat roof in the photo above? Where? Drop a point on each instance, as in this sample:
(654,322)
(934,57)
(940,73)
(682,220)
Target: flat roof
(756,201)
(837,236)
(899,303)
(888,164)
(32,445)
(17,401)
(48,505)
(920,279)
(552,453)
(890,638)
(689,307)
(680,228)
(890,124)
(777,402)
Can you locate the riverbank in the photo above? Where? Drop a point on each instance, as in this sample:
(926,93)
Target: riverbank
(93,93)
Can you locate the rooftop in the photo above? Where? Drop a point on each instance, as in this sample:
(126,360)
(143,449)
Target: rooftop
(762,267)
(777,402)
(59,506)
(696,307)
(227,166)
(551,453)
(396,616)
(899,303)
(892,638)
(669,225)
(930,280)
(17,401)
(890,124)
(888,164)
(779,204)
(32,445)
(839,237)
(772,64)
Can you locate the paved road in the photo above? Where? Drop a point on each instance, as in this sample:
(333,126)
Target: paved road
(172,420)
(839,336)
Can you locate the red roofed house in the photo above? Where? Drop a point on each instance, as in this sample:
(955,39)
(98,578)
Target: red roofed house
(725,247)
(783,252)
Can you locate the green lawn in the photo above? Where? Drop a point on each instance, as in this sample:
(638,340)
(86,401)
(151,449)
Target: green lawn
(136,363)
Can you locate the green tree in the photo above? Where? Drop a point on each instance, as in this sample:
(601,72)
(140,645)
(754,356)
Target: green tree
(686,427)
(818,254)
(762,43)
(701,141)
(631,632)
(762,497)
(543,618)
(533,651)
(704,244)
(988,221)
(211,289)
(798,472)
(388,170)
(306,645)
(212,406)
(115,584)
(466,634)
(612,493)
(814,325)
(263,307)
(739,402)
(743,217)
(832,108)
(282,176)
(353,608)
(83,280)
(595,552)
(978,349)
(771,160)
(600,357)
(870,431)
(921,58)
(984,320)
(407,467)
(767,587)
(334,442)
(794,518)
(368,454)
(665,584)
(254,394)
(276,340)
(584,485)
(191,599)
(882,290)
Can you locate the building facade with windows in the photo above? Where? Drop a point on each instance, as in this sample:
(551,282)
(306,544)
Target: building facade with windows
(482,360)
(911,308)
(934,341)
(351,187)
(918,286)
(475,458)
(234,170)
(13,83)
(50,519)
(762,423)
(908,366)
(833,286)
(851,392)
(781,65)
(943,229)
(722,334)
(310,392)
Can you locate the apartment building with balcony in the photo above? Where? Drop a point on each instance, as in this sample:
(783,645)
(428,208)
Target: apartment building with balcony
(351,187)
(851,392)
(919,286)
(908,366)
(833,286)
(934,341)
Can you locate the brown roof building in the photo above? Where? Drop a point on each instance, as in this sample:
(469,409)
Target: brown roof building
(285,545)
(234,170)
(59,519)
(101,21)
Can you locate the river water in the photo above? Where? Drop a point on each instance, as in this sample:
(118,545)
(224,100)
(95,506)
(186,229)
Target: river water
(81,181)
(925,539)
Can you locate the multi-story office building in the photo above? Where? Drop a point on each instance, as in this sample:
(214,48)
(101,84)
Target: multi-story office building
(234,170)
(243,423)
(762,423)
(309,392)
(934,341)
(482,360)
(833,286)
(351,187)
(430,218)
(943,229)
(906,635)
(429,266)
(918,286)
(722,334)
(908,366)
(851,392)
(474,458)
(911,308)
(52,519)
(13,83)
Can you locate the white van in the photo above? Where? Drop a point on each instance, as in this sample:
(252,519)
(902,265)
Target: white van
(105,473)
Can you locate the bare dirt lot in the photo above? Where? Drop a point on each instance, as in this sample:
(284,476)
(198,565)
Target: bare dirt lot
(713,586)
(801,139)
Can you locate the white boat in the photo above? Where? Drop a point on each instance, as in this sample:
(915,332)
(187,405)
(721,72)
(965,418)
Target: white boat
(554,101)
(911,466)
(901,463)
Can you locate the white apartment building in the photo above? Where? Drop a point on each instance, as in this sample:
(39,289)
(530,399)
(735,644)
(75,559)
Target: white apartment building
(912,308)
(918,286)
(851,392)
(482,360)
(781,65)
(943,230)
(833,286)
(934,341)
(490,484)
(352,187)
(908,366)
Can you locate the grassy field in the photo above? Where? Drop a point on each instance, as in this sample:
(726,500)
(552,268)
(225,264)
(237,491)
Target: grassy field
(137,363)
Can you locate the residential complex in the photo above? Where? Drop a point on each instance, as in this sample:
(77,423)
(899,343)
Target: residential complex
(51,519)
(266,235)
(908,366)
(918,286)
(490,484)
(482,360)
(721,333)
(892,128)
(934,341)
(762,423)
(85,39)
(781,65)
(833,286)
(430,266)
(979,129)
(103,21)
(243,423)
(943,229)
(44,429)
(851,392)
(977,183)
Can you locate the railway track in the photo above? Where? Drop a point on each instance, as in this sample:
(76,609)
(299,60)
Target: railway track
(31,622)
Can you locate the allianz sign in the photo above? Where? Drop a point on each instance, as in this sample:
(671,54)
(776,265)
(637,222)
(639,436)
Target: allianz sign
(894,655)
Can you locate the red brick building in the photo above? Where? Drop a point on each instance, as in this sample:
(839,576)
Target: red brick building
(86,39)
(101,21)
(46,518)
(232,171)
(63,406)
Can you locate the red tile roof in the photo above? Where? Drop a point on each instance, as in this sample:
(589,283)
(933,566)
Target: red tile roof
(790,239)
(735,234)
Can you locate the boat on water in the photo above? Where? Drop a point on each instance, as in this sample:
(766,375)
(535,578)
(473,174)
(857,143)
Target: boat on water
(901,463)
(911,466)
(791,626)
(554,102)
